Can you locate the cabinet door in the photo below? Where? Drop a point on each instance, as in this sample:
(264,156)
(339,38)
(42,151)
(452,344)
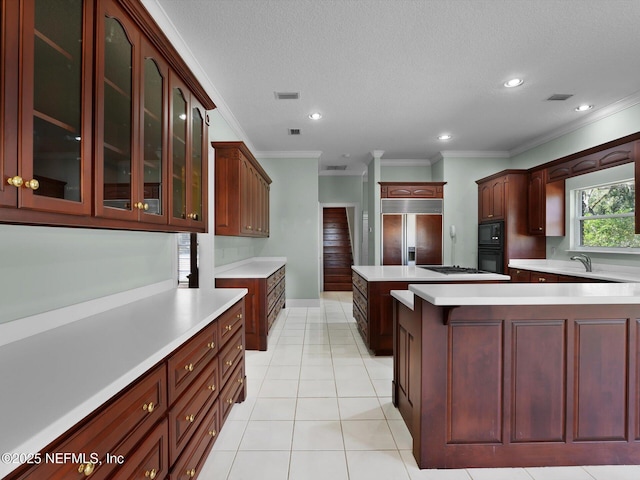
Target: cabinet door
(484,200)
(246,200)
(151,201)
(536,203)
(519,276)
(391,239)
(178,140)
(9,82)
(55,132)
(428,239)
(117,117)
(197,166)
(497,199)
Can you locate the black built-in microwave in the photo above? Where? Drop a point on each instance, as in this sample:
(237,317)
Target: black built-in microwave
(491,235)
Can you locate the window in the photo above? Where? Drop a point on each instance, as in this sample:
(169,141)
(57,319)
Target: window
(188,260)
(605,216)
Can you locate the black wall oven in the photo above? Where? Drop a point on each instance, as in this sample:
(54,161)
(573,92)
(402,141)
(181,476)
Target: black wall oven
(491,247)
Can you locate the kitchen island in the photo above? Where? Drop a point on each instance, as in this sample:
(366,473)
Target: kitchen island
(373,304)
(518,375)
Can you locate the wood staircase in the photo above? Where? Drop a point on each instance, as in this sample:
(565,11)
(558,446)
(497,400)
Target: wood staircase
(336,250)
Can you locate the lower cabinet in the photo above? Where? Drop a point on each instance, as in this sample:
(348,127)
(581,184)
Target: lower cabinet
(163,425)
(263,303)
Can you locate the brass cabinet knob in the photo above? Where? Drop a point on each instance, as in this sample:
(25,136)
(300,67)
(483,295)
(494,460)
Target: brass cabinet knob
(230,401)
(211,387)
(148,407)
(151,473)
(213,433)
(539,228)
(228,328)
(15,181)
(191,473)
(229,362)
(189,367)
(141,206)
(33,184)
(239,316)
(211,345)
(86,468)
(240,380)
(190,418)
(193,216)
(540,279)
(239,347)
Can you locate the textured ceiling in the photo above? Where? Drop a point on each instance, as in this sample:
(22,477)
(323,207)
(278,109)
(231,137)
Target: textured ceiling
(392,75)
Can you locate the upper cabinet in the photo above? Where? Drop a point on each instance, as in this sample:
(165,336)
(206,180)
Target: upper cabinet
(412,189)
(112,130)
(241,192)
(546,205)
(491,198)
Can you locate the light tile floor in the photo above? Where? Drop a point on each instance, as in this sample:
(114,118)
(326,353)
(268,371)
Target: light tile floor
(319,407)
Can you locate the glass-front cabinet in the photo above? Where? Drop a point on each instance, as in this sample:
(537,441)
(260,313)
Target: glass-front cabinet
(55,132)
(101,123)
(188,150)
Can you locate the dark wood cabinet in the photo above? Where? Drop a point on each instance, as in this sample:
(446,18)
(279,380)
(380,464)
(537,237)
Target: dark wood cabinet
(241,193)
(520,275)
(491,199)
(263,303)
(412,189)
(85,119)
(546,205)
(164,425)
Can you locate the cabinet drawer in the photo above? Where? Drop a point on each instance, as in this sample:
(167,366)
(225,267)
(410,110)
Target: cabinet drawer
(539,277)
(194,455)
(190,359)
(360,283)
(274,278)
(188,412)
(231,355)
(359,300)
(231,392)
(275,295)
(150,459)
(115,429)
(230,322)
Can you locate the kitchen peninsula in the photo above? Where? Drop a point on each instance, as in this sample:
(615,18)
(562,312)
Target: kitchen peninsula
(519,375)
(373,304)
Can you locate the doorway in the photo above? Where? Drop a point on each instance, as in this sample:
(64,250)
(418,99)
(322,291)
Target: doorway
(337,251)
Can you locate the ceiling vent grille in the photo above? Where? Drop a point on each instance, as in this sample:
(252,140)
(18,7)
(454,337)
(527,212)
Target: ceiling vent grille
(336,167)
(287,95)
(560,96)
(294,131)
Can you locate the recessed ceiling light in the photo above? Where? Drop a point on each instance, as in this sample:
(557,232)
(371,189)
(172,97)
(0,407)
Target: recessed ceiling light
(583,108)
(315,116)
(514,82)
(444,136)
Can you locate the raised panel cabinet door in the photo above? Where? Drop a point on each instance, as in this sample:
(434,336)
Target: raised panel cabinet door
(428,239)
(246,199)
(55,132)
(536,207)
(197,166)
(391,239)
(485,201)
(497,199)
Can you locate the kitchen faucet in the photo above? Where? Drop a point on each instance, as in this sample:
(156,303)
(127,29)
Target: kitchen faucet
(584,259)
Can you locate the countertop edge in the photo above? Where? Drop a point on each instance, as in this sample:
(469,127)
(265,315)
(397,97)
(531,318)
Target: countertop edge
(256,267)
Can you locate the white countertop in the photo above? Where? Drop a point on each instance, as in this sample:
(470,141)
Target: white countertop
(612,273)
(405,297)
(52,380)
(529,294)
(404,273)
(257,267)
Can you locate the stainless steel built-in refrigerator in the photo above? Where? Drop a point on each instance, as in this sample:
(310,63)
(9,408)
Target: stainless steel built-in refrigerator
(411,231)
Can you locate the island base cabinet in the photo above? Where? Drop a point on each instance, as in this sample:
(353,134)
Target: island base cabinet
(519,386)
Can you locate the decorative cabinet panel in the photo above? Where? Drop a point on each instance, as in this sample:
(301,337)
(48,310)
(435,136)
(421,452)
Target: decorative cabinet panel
(87,137)
(164,425)
(519,275)
(241,192)
(412,189)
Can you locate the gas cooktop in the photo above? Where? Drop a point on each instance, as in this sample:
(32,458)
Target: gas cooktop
(452,269)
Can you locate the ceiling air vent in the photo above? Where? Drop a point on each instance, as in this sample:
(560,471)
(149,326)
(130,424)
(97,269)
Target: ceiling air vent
(294,131)
(336,167)
(560,96)
(287,95)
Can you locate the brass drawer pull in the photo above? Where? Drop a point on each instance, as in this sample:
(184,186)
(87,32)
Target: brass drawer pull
(148,407)
(191,473)
(151,473)
(240,380)
(212,433)
(239,316)
(239,347)
(228,328)
(540,279)
(230,401)
(190,418)
(86,468)
(189,367)
(211,345)
(229,362)
(212,388)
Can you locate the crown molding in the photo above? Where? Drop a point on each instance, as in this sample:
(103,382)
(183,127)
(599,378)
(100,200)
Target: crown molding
(474,154)
(590,118)
(315,154)
(405,162)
